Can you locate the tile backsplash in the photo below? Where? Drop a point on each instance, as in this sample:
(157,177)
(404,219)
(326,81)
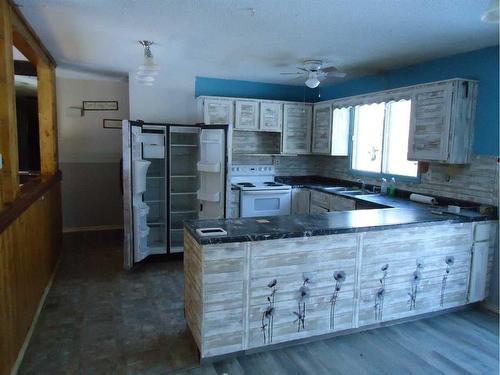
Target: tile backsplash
(475,182)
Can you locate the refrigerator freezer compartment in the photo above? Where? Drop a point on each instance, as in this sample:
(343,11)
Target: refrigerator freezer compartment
(208,167)
(153,152)
(183,185)
(177,219)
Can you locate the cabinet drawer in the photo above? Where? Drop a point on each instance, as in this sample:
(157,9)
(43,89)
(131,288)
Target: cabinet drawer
(320,199)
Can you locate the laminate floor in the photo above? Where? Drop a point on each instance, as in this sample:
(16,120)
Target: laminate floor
(99,319)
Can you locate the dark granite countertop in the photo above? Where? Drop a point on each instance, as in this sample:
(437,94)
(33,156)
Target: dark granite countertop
(393,212)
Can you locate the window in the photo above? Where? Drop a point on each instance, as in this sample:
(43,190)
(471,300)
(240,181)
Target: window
(380,139)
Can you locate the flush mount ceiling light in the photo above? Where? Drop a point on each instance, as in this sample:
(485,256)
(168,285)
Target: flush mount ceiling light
(491,15)
(149,69)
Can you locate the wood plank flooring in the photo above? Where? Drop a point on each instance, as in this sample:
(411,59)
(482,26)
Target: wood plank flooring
(99,319)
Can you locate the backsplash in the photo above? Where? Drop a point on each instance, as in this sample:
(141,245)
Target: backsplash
(476,182)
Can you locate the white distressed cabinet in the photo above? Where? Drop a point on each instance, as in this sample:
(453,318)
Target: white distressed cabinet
(217,111)
(297,126)
(442,120)
(247,115)
(300,201)
(322,129)
(271,116)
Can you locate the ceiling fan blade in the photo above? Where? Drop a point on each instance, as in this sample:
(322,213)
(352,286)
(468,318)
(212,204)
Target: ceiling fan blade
(328,69)
(305,70)
(337,74)
(296,73)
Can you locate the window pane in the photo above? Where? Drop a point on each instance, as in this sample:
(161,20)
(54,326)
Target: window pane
(368,134)
(396,136)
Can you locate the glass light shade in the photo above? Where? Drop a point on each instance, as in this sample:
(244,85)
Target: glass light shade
(312,81)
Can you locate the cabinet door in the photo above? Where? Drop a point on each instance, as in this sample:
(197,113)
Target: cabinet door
(341,120)
(317,209)
(271,116)
(320,199)
(218,111)
(478,272)
(297,123)
(300,201)
(322,129)
(430,123)
(342,204)
(247,115)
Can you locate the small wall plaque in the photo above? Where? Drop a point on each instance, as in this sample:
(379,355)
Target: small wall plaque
(111,123)
(100,105)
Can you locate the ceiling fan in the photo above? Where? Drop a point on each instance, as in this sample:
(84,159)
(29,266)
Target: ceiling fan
(316,72)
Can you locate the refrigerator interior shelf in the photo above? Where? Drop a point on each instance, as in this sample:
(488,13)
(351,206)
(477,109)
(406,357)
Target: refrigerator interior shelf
(184,193)
(209,197)
(182,145)
(208,167)
(155,201)
(184,176)
(184,212)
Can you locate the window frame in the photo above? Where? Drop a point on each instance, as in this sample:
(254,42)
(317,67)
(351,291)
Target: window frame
(381,174)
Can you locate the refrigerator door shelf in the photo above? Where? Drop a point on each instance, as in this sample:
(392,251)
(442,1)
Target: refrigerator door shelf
(140,169)
(208,197)
(208,167)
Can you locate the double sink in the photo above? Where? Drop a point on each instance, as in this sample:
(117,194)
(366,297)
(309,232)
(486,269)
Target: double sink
(347,191)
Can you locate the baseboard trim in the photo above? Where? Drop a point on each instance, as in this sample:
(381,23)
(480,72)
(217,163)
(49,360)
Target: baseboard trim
(490,307)
(27,339)
(92,228)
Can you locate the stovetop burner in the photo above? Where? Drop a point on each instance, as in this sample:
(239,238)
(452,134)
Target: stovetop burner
(271,183)
(245,184)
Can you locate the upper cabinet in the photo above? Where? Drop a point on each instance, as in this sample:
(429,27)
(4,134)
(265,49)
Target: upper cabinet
(271,116)
(322,129)
(442,119)
(297,126)
(247,115)
(217,111)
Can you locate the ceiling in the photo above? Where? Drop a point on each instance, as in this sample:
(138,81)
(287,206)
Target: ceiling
(256,39)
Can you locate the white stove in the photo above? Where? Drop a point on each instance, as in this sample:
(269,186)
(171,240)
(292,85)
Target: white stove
(259,194)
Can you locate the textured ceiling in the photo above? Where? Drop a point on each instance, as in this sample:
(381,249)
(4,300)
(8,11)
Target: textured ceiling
(257,39)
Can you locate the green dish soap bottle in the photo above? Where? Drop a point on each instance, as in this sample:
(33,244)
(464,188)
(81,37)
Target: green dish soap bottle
(392,187)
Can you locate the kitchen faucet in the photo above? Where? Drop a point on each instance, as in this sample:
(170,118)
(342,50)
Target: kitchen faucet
(359,180)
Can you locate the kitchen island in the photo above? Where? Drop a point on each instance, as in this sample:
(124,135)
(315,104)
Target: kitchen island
(280,279)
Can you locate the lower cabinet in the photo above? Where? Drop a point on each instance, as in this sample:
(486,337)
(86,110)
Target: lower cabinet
(293,292)
(341,204)
(411,271)
(246,295)
(300,201)
(235,204)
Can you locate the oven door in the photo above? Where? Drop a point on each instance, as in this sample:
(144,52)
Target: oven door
(265,203)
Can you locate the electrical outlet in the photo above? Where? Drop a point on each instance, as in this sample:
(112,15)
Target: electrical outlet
(276,161)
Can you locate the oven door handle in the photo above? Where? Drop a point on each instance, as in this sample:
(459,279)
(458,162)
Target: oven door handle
(266,192)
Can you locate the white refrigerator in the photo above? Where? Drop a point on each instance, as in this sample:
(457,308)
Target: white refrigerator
(171,173)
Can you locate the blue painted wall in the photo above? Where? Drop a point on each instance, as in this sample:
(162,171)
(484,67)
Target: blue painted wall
(255,90)
(481,65)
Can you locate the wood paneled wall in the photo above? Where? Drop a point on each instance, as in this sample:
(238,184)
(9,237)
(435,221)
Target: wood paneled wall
(29,249)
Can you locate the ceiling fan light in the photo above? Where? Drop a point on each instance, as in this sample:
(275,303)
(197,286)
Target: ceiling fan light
(144,79)
(312,81)
(491,15)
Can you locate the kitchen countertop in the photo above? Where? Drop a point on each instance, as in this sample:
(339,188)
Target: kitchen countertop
(393,212)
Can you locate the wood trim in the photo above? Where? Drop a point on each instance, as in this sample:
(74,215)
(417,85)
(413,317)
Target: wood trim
(26,40)
(30,193)
(47,120)
(9,180)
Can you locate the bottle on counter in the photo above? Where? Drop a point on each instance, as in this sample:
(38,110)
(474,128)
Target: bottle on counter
(392,187)
(383,186)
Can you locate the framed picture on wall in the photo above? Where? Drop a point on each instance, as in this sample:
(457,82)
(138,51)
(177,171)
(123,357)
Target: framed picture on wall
(112,123)
(100,105)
